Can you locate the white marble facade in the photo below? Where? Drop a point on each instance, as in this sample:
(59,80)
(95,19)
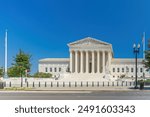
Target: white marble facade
(91,57)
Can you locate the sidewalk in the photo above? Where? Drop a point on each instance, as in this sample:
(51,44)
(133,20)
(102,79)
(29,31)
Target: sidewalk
(92,89)
(83,89)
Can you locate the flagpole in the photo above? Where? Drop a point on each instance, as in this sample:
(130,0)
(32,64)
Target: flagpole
(5,70)
(143,45)
(143,54)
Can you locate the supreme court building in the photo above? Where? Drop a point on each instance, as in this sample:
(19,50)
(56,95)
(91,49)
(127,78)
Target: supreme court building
(93,59)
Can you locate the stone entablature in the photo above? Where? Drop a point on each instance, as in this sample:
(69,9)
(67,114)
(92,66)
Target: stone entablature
(126,61)
(47,60)
(89,44)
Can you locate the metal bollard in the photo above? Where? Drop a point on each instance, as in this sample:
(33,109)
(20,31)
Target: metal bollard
(57,84)
(103,84)
(117,84)
(39,84)
(51,84)
(45,84)
(33,84)
(63,84)
(21,84)
(75,84)
(81,84)
(108,83)
(69,84)
(27,84)
(9,84)
(122,83)
(97,84)
(87,84)
(126,83)
(92,84)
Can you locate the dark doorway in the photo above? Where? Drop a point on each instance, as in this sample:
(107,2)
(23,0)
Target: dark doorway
(90,67)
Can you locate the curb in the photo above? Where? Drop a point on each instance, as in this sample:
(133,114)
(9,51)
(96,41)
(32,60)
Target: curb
(67,90)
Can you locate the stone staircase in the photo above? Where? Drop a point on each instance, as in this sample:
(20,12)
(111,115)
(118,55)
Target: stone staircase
(85,77)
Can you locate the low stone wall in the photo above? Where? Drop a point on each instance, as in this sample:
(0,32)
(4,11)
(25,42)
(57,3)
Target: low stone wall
(52,84)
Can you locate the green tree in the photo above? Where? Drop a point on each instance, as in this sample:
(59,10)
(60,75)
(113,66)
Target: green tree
(42,75)
(1,72)
(147,60)
(13,72)
(21,63)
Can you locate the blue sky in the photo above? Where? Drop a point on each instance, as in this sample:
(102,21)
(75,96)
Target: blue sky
(43,28)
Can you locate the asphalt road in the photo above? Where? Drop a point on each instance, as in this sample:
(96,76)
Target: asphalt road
(76,95)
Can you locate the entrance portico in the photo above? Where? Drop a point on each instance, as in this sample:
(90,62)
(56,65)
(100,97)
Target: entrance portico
(90,56)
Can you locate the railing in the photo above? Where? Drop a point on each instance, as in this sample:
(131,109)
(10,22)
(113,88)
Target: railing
(62,84)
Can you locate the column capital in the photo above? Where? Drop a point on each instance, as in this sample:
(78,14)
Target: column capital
(82,51)
(76,51)
(71,51)
(86,51)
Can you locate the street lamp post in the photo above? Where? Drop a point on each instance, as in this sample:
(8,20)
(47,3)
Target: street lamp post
(136,51)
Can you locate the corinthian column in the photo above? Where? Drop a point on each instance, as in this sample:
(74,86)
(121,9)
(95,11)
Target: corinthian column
(98,62)
(109,60)
(81,64)
(76,61)
(87,62)
(103,61)
(71,61)
(93,62)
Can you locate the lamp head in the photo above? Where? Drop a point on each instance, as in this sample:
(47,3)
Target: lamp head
(134,46)
(138,46)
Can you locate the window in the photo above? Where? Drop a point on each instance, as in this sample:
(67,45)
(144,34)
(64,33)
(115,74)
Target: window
(59,69)
(50,69)
(122,69)
(55,69)
(131,69)
(118,70)
(113,69)
(46,69)
(141,70)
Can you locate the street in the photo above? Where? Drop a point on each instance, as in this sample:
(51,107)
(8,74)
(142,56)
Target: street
(75,95)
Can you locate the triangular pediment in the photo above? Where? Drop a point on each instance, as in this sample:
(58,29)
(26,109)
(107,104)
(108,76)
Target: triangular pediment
(88,41)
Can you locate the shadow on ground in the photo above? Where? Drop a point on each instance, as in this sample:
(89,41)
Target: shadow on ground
(145,88)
